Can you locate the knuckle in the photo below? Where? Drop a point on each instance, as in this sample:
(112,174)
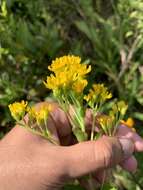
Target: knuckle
(107,154)
(103,155)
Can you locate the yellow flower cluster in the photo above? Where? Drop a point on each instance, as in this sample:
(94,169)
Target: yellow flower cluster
(62,63)
(121,107)
(41,116)
(69,73)
(31,114)
(18,110)
(98,94)
(106,123)
(109,123)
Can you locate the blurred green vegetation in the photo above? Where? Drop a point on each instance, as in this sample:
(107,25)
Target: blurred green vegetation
(107,33)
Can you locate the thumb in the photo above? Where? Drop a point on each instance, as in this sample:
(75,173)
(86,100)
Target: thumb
(93,156)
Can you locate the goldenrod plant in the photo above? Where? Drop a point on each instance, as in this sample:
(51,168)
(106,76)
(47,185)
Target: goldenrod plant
(107,34)
(67,82)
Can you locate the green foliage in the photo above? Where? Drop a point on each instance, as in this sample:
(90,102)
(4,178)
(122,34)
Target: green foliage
(73,187)
(116,42)
(107,33)
(28,41)
(108,187)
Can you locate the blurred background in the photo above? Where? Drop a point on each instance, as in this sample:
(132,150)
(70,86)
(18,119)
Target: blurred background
(106,33)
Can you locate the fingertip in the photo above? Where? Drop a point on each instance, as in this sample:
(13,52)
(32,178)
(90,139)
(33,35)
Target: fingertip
(126,132)
(127,147)
(129,164)
(138,142)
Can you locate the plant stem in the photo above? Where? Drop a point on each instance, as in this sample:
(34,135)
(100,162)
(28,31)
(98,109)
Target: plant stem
(91,185)
(93,125)
(92,138)
(37,133)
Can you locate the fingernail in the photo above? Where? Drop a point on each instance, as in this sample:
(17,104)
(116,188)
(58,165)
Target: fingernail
(127,147)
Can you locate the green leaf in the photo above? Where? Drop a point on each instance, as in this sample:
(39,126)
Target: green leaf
(108,187)
(80,135)
(138,116)
(129,34)
(83,27)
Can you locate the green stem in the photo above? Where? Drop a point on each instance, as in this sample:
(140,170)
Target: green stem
(37,133)
(93,125)
(91,185)
(39,126)
(46,129)
(103,181)
(116,125)
(92,130)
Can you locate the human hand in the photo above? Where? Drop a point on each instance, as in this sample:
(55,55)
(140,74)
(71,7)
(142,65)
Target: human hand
(29,162)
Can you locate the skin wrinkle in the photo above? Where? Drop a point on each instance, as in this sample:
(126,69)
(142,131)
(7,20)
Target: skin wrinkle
(110,158)
(100,156)
(106,157)
(121,147)
(116,153)
(97,155)
(108,154)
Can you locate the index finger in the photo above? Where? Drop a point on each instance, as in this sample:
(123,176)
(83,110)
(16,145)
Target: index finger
(124,131)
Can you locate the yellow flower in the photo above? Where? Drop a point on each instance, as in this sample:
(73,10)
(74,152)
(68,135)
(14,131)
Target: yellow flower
(68,74)
(121,107)
(129,123)
(39,116)
(79,85)
(98,94)
(81,70)
(18,109)
(106,123)
(31,114)
(61,63)
(69,63)
(54,82)
(42,114)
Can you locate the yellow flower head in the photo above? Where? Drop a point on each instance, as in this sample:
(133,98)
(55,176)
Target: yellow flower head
(62,63)
(79,85)
(106,122)
(31,113)
(129,123)
(69,73)
(121,107)
(98,94)
(18,110)
(42,114)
